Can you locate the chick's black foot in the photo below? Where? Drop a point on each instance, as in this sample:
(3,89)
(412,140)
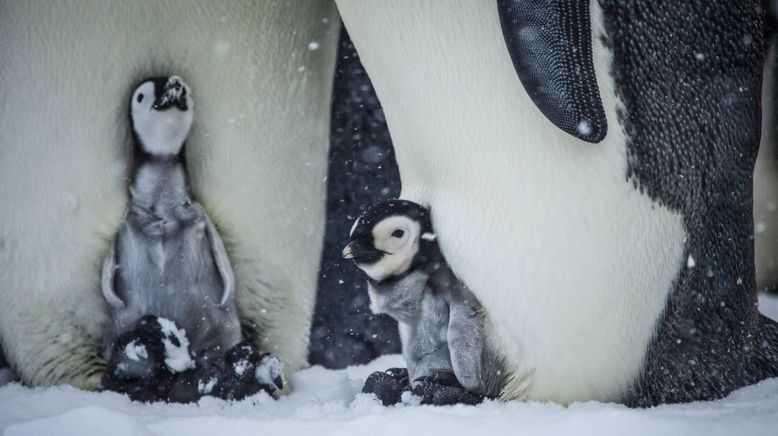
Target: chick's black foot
(246,373)
(388,386)
(137,363)
(441,377)
(152,363)
(191,385)
(437,394)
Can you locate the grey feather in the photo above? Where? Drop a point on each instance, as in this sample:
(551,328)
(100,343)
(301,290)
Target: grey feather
(170,262)
(441,324)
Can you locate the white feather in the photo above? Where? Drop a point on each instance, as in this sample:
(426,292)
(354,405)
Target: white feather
(354,226)
(571,263)
(177,357)
(107,279)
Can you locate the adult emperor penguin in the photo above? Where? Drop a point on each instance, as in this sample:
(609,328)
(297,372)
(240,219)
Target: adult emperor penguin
(262,72)
(597,203)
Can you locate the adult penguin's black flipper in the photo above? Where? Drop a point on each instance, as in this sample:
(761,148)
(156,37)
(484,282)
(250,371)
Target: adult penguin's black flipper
(550,43)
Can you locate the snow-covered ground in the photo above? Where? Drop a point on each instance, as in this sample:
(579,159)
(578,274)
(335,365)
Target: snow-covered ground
(328,402)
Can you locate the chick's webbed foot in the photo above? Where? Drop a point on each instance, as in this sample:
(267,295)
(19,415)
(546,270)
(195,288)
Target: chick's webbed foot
(439,389)
(246,373)
(152,363)
(441,377)
(137,363)
(388,386)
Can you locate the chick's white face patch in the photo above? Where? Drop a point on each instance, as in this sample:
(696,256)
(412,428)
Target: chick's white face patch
(162,132)
(398,238)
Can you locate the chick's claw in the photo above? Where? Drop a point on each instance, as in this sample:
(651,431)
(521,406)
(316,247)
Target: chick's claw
(445,378)
(441,395)
(270,373)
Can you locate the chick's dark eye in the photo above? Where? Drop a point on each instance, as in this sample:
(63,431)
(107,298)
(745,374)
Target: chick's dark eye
(140,98)
(398,233)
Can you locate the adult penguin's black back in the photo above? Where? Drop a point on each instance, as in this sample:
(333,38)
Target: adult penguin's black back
(689,75)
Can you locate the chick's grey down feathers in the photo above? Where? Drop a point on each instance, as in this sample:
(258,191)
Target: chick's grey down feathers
(165,264)
(167,260)
(441,321)
(441,326)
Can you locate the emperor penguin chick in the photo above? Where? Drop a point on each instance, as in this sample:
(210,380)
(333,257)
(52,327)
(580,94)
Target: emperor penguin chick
(441,321)
(168,261)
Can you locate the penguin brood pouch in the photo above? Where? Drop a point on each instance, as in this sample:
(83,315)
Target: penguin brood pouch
(175,333)
(441,322)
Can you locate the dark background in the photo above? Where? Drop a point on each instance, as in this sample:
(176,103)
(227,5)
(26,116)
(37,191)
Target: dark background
(362,171)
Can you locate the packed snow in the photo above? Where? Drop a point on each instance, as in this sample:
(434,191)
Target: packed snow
(206,387)
(326,402)
(177,357)
(269,369)
(136,351)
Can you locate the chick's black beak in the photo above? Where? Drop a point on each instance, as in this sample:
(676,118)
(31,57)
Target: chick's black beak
(173,95)
(360,254)
(349,251)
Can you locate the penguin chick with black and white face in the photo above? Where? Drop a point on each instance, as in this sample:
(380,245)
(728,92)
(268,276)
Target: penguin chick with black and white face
(441,324)
(168,260)
(161,112)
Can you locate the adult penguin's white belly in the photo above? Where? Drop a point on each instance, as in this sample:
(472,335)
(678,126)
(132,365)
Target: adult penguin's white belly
(257,155)
(571,262)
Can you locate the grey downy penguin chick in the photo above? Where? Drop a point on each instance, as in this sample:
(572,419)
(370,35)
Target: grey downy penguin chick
(441,324)
(168,261)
